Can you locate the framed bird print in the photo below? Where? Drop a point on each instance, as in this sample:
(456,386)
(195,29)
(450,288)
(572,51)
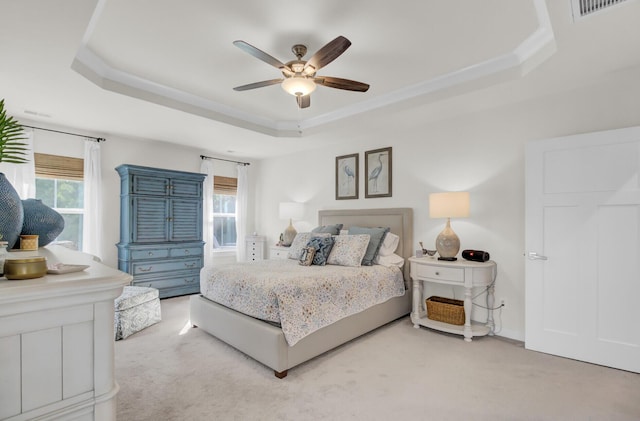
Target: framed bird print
(347,171)
(377,169)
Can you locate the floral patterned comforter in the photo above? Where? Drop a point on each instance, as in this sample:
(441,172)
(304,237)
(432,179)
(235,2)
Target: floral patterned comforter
(302,299)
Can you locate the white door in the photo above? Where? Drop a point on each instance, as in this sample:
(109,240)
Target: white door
(583,247)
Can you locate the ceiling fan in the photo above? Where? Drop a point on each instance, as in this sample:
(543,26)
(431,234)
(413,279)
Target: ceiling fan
(300,77)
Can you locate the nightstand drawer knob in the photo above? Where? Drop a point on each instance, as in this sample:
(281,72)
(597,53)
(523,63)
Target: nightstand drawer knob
(438,273)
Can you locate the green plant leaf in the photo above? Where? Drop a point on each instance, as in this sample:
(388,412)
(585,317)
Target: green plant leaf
(12,147)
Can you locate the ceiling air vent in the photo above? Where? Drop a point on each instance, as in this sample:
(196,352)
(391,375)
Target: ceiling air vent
(583,8)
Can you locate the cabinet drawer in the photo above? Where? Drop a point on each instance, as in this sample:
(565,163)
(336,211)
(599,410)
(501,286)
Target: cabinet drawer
(185,251)
(149,254)
(142,268)
(174,281)
(440,273)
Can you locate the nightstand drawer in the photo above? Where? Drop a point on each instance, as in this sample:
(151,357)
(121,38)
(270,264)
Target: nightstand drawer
(278,253)
(440,273)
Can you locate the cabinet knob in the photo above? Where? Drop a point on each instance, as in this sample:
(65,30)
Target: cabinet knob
(186,251)
(150,253)
(437,273)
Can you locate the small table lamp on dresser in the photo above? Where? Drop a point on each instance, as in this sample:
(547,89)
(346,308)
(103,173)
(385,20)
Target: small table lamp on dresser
(290,211)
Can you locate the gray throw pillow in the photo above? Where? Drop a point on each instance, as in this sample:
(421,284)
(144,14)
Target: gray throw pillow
(377,236)
(332,229)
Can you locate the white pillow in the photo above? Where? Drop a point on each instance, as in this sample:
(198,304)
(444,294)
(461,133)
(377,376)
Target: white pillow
(390,260)
(348,250)
(389,244)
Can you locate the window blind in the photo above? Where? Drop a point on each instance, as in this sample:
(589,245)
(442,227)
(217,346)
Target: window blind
(56,166)
(225,185)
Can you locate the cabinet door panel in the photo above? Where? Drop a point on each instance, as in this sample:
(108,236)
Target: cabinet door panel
(149,185)
(149,219)
(186,188)
(186,220)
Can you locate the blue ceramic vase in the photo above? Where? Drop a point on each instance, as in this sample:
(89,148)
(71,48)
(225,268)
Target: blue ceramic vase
(41,220)
(11,213)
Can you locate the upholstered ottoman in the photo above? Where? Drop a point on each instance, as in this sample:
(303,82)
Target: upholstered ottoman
(136,309)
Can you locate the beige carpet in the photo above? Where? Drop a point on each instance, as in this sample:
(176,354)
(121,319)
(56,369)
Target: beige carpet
(394,373)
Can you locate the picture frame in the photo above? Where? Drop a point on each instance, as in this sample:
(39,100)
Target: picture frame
(347,171)
(378,172)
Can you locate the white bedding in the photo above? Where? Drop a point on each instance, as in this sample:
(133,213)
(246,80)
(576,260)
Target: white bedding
(302,299)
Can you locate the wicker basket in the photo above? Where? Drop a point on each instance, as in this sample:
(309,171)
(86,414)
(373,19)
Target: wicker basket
(445,310)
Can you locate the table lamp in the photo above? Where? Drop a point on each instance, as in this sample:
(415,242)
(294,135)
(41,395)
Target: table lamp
(290,211)
(448,205)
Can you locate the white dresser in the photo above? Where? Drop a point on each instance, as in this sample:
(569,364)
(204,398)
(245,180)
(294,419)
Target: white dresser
(255,247)
(57,341)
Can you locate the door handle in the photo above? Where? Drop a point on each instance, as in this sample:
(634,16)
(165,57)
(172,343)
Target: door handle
(532,255)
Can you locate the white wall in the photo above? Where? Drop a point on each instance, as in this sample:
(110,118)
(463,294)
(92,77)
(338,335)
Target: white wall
(482,153)
(116,151)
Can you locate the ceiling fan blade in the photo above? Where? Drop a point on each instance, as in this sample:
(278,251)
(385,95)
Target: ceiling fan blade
(259,54)
(339,83)
(304,101)
(328,53)
(258,84)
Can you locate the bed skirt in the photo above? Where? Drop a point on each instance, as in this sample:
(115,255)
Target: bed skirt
(266,343)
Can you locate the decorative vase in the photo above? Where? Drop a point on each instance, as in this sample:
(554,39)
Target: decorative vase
(41,220)
(11,212)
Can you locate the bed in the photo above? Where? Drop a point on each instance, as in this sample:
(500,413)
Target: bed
(266,342)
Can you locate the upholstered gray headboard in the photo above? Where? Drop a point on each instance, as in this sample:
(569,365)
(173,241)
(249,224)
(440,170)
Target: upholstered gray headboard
(399,220)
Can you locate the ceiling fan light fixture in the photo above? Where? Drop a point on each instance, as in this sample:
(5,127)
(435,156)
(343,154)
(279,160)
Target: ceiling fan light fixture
(298,86)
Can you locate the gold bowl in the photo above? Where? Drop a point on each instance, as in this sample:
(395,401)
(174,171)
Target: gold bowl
(28,268)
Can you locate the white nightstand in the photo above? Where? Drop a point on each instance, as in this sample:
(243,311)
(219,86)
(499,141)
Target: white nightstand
(463,273)
(278,252)
(255,247)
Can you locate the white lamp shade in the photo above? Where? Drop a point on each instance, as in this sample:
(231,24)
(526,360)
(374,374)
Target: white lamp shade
(291,210)
(449,205)
(298,85)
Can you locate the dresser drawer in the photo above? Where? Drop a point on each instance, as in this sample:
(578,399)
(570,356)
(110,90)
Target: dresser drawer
(149,254)
(143,268)
(185,251)
(440,273)
(187,279)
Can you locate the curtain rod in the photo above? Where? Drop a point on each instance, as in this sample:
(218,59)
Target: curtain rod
(97,139)
(227,160)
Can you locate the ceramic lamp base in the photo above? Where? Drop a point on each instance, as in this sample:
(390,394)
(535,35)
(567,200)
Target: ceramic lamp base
(288,235)
(447,243)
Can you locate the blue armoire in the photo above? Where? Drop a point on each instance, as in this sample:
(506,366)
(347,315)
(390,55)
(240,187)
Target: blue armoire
(161,228)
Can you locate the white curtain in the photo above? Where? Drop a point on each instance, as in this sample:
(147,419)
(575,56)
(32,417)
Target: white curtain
(206,167)
(92,221)
(23,176)
(241,211)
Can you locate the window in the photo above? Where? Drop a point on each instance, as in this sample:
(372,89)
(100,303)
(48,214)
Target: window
(224,211)
(60,185)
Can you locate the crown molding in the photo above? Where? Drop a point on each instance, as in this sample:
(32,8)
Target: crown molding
(533,51)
